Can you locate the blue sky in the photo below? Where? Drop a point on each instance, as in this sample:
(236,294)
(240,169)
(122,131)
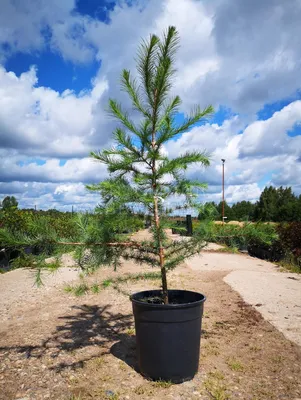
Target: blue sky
(60,62)
(54,71)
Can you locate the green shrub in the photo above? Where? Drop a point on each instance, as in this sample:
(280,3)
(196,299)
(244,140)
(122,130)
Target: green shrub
(260,239)
(23,261)
(290,237)
(14,220)
(240,236)
(179,227)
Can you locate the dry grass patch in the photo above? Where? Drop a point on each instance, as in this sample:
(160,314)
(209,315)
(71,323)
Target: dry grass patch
(215,386)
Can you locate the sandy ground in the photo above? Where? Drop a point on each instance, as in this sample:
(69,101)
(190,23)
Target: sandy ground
(62,347)
(276,295)
(18,286)
(56,346)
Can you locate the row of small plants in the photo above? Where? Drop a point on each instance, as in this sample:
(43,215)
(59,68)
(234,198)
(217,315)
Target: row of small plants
(27,236)
(240,236)
(29,221)
(274,242)
(64,225)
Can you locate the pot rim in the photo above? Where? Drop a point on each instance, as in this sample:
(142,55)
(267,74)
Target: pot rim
(168,306)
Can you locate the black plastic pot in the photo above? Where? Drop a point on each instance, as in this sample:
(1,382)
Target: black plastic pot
(168,335)
(270,254)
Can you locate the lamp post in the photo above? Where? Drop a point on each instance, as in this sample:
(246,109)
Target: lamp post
(223,212)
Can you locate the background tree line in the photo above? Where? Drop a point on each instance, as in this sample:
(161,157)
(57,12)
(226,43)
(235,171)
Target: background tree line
(274,205)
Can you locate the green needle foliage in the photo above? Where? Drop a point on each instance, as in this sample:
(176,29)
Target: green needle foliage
(140,171)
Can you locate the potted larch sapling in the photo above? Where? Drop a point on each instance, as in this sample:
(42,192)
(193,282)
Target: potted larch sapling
(167,322)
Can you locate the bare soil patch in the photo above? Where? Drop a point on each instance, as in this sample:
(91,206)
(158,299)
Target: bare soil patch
(65,347)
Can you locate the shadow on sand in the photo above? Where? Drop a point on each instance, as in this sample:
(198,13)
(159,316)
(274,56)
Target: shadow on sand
(87,327)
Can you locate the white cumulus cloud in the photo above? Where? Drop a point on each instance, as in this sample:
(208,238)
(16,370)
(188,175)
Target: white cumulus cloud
(238,54)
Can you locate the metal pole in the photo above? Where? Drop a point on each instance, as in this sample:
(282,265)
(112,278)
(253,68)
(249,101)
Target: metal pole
(223,212)
(189,225)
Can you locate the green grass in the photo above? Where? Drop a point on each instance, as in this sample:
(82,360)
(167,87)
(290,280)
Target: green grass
(215,386)
(68,289)
(235,365)
(81,289)
(130,331)
(218,375)
(107,283)
(228,249)
(144,390)
(289,264)
(95,288)
(53,266)
(162,384)
(211,349)
(82,275)
(77,290)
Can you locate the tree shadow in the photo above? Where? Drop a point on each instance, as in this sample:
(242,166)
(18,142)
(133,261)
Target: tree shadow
(125,350)
(90,327)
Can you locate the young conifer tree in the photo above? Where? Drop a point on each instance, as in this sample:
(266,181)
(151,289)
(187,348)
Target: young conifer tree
(140,171)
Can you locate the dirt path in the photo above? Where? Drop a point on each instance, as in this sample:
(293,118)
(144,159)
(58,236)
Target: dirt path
(56,346)
(276,295)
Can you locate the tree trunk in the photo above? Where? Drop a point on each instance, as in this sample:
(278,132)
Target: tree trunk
(156,209)
(161,252)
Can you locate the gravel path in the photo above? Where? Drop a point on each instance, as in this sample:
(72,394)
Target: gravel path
(276,295)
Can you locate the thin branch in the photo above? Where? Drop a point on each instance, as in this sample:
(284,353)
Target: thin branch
(114,244)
